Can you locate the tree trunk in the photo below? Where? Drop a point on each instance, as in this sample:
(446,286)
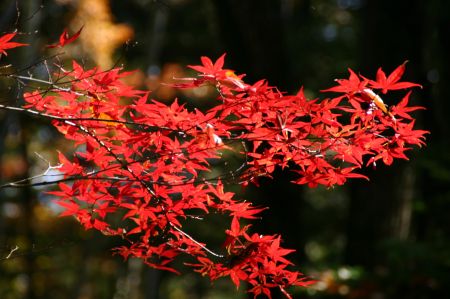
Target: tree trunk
(381,209)
(253,36)
(27,196)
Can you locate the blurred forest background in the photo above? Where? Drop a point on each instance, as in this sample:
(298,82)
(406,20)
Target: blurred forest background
(387,238)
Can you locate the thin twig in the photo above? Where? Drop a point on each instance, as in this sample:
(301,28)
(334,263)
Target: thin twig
(11,252)
(196,242)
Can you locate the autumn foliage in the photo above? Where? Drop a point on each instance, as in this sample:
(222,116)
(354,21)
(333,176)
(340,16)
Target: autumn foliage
(142,168)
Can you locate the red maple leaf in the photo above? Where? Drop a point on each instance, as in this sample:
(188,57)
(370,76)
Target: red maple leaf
(208,67)
(350,85)
(65,38)
(391,82)
(402,109)
(5,43)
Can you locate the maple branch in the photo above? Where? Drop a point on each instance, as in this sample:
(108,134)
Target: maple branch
(49,83)
(27,181)
(24,182)
(14,253)
(113,154)
(143,183)
(64,119)
(232,174)
(196,242)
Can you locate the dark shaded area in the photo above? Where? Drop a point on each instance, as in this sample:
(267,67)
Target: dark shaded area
(387,238)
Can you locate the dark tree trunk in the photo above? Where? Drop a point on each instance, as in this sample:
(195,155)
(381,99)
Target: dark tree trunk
(381,209)
(27,196)
(252,35)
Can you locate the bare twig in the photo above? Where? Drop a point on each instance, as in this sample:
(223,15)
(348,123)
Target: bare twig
(11,252)
(196,242)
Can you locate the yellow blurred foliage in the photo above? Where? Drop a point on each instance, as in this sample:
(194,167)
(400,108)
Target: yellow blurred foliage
(100,36)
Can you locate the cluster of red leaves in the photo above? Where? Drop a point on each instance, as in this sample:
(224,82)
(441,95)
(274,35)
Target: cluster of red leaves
(140,167)
(324,141)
